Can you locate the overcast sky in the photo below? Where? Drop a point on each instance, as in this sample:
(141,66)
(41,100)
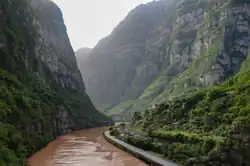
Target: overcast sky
(90,20)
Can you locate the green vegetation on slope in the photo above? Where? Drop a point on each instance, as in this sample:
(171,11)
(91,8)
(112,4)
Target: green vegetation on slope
(210,127)
(202,46)
(26,118)
(189,81)
(28,105)
(166,87)
(142,102)
(122,107)
(81,108)
(28,115)
(157,86)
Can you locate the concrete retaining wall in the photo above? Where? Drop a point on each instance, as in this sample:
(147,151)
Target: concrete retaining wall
(139,153)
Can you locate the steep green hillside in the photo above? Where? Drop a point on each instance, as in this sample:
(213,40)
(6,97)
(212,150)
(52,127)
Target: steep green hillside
(210,127)
(190,120)
(208,44)
(27,117)
(38,101)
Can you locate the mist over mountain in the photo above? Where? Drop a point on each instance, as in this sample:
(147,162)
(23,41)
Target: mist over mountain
(165,49)
(182,69)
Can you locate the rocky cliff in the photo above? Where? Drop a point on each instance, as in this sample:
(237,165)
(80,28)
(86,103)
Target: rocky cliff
(52,48)
(42,91)
(164,49)
(124,66)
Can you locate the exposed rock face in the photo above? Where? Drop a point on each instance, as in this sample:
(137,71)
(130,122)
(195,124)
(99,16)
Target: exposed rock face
(55,59)
(211,54)
(53,49)
(235,46)
(64,122)
(192,44)
(42,94)
(185,29)
(133,53)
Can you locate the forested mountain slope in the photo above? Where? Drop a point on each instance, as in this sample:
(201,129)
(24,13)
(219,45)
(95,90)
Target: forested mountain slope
(209,127)
(119,67)
(42,94)
(165,49)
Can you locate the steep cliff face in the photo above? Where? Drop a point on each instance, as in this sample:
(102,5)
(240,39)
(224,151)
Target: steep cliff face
(194,44)
(235,44)
(120,67)
(42,91)
(53,49)
(184,123)
(55,60)
(222,47)
(166,46)
(220,112)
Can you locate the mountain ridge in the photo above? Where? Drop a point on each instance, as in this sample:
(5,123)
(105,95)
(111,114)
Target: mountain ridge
(42,91)
(186,50)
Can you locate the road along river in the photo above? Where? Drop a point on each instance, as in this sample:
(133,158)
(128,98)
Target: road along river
(83,148)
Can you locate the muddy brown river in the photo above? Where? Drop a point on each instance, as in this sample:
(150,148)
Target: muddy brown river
(83,148)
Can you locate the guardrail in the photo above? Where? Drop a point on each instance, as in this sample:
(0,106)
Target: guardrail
(137,152)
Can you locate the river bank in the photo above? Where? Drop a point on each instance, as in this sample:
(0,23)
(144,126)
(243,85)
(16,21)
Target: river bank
(139,153)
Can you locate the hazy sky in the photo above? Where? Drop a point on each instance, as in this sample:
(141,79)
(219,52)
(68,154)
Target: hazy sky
(90,20)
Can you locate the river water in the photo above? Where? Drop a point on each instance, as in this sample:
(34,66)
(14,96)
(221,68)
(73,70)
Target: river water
(83,148)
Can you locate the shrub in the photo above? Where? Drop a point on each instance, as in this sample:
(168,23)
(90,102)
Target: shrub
(114,132)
